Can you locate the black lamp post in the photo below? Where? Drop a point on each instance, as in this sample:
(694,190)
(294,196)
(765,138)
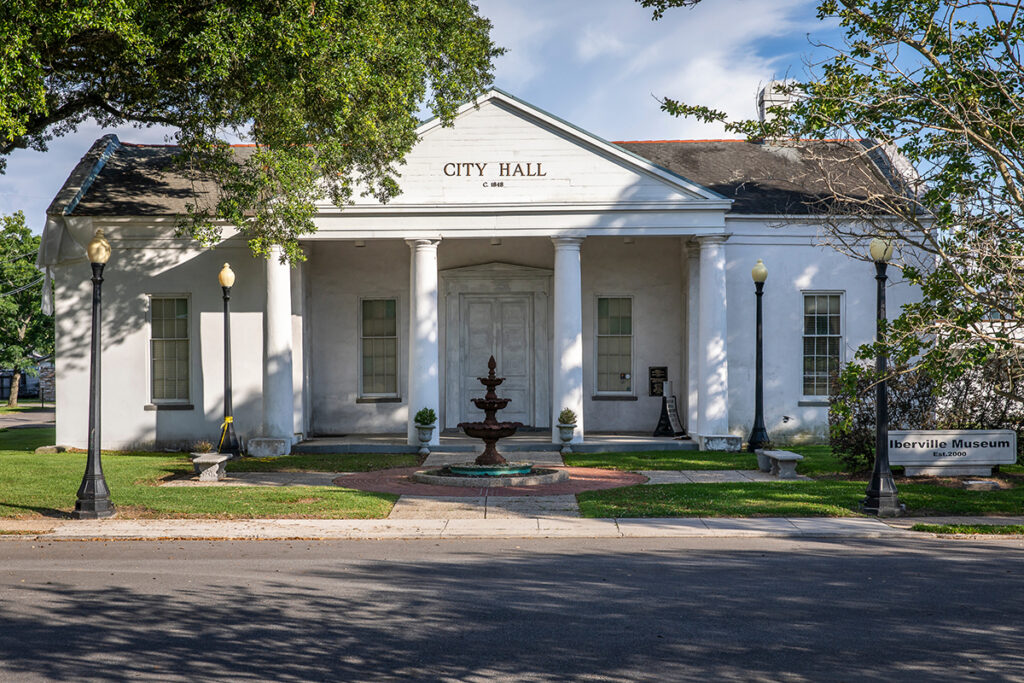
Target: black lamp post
(758,435)
(93,495)
(228,440)
(882,499)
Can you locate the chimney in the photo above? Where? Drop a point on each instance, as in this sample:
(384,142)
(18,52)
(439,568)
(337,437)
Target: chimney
(769,96)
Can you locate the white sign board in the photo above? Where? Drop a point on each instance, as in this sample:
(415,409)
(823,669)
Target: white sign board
(952,452)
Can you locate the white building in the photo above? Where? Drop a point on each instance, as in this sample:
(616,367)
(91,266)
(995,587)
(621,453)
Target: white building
(578,263)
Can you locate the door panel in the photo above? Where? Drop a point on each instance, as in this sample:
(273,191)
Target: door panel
(500,326)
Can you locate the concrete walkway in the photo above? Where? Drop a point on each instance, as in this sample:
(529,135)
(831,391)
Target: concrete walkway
(32,418)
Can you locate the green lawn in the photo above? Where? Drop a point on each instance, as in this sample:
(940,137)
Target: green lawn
(664,460)
(32,485)
(326,462)
(788,499)
(25,407)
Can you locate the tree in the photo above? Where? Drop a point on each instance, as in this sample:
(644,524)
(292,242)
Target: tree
(935,90)
(24,330)
(327,91)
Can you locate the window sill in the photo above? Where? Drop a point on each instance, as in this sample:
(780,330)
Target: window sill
(168,406)
(814,403)
(379,399)
(612,397)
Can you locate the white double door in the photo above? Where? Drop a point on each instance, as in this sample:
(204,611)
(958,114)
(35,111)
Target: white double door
(500,325)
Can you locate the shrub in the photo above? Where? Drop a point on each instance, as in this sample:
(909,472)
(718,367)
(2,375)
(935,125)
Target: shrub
(567,417)
(981,398)
(425,417)
(851,414)
(202,447)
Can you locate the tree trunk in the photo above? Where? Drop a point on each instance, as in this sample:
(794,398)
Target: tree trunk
(12,402)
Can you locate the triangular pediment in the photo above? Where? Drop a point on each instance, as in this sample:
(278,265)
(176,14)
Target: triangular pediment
(502,151)
(496,269)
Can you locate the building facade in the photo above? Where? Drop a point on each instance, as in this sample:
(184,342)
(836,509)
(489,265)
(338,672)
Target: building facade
(585,267)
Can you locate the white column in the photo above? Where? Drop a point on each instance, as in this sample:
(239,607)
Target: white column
(567,353)
(424,363)
(278,399)
(692,338)
(712,401)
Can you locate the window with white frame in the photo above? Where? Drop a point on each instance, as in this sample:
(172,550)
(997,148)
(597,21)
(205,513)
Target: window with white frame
(379,342)
(614,344)
(823,342)
(169,349)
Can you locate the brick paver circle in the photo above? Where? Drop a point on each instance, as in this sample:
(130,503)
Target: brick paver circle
(399,481)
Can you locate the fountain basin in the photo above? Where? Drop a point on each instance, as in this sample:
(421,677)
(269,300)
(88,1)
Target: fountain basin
(443,477)
(471,469)
(482,430)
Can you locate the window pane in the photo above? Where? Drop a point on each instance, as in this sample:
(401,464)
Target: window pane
(822,342)
(169,349)
(379,346)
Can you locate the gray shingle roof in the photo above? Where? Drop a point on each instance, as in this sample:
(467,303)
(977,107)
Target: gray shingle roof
(766,178)
(139,180)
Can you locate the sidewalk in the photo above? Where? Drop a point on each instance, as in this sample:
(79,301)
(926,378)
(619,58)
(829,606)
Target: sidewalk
(533,527)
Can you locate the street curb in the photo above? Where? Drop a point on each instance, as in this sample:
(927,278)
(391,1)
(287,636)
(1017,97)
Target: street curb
(436,529)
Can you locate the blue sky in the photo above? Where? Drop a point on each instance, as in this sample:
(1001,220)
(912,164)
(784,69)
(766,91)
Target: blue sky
(600,64)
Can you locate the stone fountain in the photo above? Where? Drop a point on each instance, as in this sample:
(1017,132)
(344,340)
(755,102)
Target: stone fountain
(490,468)
(490,430)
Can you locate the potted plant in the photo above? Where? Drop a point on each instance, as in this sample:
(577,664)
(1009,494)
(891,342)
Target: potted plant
(566,427)
(425,421)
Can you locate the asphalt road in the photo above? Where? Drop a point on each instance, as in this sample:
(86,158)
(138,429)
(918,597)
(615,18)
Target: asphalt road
(665,610)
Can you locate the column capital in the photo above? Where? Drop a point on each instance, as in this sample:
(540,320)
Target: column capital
(423,242)
(709,241)
(567,242)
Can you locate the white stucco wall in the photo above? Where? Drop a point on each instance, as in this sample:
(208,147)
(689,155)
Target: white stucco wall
(652,272)
(795,266)
(136,271)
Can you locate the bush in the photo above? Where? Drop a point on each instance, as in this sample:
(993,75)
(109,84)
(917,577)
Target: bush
(916,401)
(425,417)
(851,413)
(567,417)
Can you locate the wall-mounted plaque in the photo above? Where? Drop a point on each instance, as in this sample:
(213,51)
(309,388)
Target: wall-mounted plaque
(657,376)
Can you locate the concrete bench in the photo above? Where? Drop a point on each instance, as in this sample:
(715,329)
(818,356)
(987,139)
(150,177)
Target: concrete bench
(780,463)
(210,466)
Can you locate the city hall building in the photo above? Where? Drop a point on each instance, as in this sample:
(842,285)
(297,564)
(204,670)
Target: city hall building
(597,274)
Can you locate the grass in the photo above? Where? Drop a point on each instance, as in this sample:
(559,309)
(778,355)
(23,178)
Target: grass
(26,407)
(788,499)
(1008,529)
(326,462)
(664,460)
(45,485)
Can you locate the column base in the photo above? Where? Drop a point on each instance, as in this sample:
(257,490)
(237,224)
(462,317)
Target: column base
(267,447)
(720,442)
(883,506)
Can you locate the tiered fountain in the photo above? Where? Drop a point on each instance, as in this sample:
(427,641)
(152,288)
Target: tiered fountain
(490,468)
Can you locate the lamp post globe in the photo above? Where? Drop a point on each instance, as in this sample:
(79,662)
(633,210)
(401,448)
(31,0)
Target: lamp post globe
(228,441)
(882,498)
(758,434)
(93,500)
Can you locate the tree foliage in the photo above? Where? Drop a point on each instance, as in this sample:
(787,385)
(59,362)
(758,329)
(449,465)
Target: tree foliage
(24,330)
(327,91)
(935,88)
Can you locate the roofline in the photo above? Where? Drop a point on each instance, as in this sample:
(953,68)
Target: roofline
(83,175)
(597,141)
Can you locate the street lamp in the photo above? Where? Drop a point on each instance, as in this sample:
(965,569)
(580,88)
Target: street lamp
(93,495)
(228,440)
(758,435)
(881,499)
